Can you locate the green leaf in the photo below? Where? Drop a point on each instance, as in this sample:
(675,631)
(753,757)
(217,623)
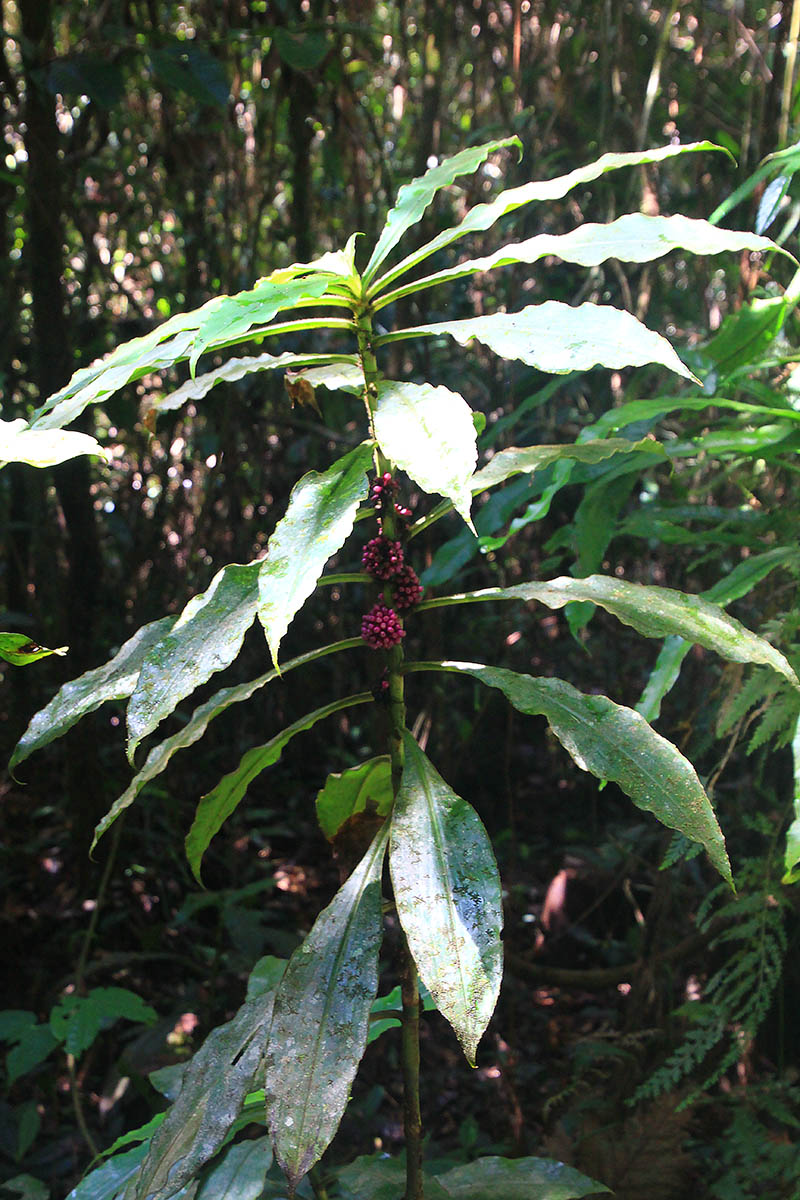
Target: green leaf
(220,322)
(320,516)
(160,755)
(33,1046)
(744,335)
(20,651)
(791,857)
(366,787)
(428,432)
(783,160)
(185,67)
(27,1187)
(14,1022)
(215,808)
(108,1181)
(240,1174)
(634,237)
(44,447)
(76,1020)
(483,216)
(239,368)
(206,637)
(319,1030)
(217,1080)
(379,1177)
(616,743)
(448,897)
(392,1003)
(557,338)
(301,51)
(414,197)
(652,611)
(115,680)
(517,1179)
(516,460)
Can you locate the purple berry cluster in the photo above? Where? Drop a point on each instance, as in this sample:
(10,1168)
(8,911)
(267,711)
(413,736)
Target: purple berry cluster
(381,628)
(383,558)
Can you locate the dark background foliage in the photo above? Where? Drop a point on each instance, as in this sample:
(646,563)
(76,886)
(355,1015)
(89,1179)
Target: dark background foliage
(157,154)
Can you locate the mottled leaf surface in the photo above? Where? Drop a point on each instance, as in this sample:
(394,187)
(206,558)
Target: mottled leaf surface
(447,891)
(241,1173)
(319,1028)
(115,680)
(206,638)
(428,432)
(44,447)
(517,1179)
(557,338)
(634,237)
(215,808)
(483,216)
(414,197)
(160,755)
(616,743)
(320,516)
(215,1084)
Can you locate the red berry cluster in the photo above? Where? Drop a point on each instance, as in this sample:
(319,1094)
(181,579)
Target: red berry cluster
(382,558)
(381,628)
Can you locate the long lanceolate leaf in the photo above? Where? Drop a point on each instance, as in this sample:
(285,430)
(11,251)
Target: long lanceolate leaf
(213,1091)
(428,432)
(616,743)
(483,216)
(238,368)
(321,512)
(206,638)
(414,197)
(115,680)
(221,322)
(557,338)
(215,808)
(447,892)
(321,1016)
(653,611)
(159,757)
(634,237)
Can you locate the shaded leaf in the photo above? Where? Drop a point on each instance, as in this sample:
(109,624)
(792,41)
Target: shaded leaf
(240,1174)
(557,338)
(616,743)
(44,447)
(215,1084)
(218,323)
(483,216)
(32,1047)
(379,1177)
(414,197)
(392,1004)
(215,807)
(20,651)
(109,1180)
(319,1029)
(206,638)
(517,1179)
(428,432)
(76,1020)
(190,69)
(448,897)
(301,51)
(160,755)
(320,516)
(791,857)
(365,787)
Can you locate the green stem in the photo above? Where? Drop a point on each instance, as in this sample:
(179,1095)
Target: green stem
(397,726)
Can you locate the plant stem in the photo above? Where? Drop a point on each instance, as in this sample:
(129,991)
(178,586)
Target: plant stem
(397,726)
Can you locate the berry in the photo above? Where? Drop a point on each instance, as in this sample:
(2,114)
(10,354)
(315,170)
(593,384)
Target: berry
(407,588)
(381,628)
(382,490)
(382,558)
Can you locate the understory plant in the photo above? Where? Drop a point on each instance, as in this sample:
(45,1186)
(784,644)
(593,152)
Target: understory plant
(292,1051)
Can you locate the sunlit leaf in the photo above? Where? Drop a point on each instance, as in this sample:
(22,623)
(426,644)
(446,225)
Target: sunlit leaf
(44,447)
(428,432)
(206,638)
(20,651)
(159,756)
(557,338)
(448,897)
(634,237)
(218,1078)
(366,787)
(516,460)
(215,808)
(239,368)
(319,1028)
(115,680)
(616,743)
(320,516)
(414,197)
(483,216)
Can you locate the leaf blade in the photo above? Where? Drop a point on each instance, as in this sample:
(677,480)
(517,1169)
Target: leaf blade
(447,892)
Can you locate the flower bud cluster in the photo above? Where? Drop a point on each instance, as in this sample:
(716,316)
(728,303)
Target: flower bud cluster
(384,559)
